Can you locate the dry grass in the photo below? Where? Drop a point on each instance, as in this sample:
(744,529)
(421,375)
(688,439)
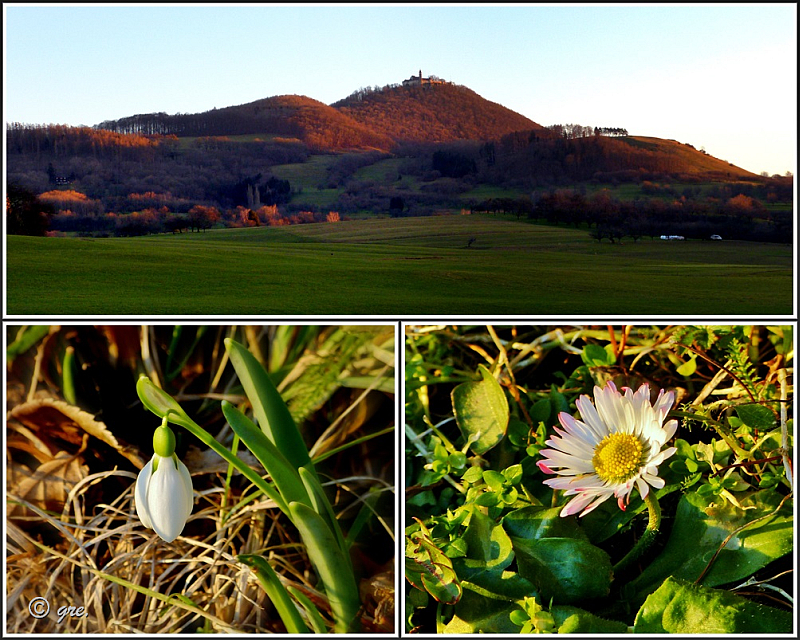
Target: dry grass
(103,542)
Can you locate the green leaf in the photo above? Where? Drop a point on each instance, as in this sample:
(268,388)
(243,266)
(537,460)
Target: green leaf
(494,480)
(533,523)
(756,416)
(481,411)
(688,367)
(540,411)
(331,566)
(477,613)
(503,584)
(513,474)
(564,569)
(472,475)
(283,474)
(574,620)
(314,616)
(26,337)
(488,548)
(702,523)
(276,592)
(457,460)
(594,355)
(68,376)
(682,607)
(429,569)
(268,406)
(320,503)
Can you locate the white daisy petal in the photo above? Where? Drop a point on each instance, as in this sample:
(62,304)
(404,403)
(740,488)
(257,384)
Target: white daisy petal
(590,417)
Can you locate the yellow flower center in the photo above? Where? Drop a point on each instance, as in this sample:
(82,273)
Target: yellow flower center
(618,457)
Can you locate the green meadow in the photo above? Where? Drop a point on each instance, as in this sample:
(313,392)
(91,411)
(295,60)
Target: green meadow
(395,267)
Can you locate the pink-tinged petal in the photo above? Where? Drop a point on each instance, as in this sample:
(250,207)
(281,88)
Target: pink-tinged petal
(664,403)
(600,500)
(542,464)
(573,446)
(569,464)
(577,504)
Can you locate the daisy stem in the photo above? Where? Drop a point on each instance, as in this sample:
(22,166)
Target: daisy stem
(649,535)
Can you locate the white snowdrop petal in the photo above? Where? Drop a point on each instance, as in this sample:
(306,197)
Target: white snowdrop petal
(140,494)
(166,500)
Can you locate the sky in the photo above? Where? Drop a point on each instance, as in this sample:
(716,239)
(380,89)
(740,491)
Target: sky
(720,77)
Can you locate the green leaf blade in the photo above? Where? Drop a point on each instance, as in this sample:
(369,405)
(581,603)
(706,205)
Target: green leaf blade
(331,566)
(268,406)
(481,411)
(276,592)
(682,607)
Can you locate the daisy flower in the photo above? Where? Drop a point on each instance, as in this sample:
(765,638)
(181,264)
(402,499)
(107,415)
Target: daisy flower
(617,445)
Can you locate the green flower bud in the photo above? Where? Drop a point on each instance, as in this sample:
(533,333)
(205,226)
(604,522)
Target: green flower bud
(164,441)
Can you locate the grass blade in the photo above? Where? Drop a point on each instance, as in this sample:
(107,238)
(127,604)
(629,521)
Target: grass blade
(276,592)
(314,617)
(323,507)
(268,406)
(331,566)
(281,471)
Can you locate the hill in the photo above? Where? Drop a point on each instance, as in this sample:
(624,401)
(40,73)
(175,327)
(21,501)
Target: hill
(524,154)
(441,113)
(365,120)
(320,127)
(432,145)
(432,113)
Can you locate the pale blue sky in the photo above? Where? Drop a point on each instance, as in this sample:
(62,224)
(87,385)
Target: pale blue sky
(723,77)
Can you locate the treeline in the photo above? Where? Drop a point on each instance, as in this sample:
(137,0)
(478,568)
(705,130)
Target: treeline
(739,217)
(61,212)
(572,131)
(64,141)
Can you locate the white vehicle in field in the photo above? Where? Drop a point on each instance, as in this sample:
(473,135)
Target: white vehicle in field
(716,237)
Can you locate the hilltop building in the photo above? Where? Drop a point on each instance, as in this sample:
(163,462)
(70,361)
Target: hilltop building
(416,81)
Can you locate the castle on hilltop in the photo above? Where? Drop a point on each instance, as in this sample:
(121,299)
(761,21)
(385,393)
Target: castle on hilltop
(416,81)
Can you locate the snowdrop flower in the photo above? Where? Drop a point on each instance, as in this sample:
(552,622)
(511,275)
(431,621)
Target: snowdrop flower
(163,493)
(617,446)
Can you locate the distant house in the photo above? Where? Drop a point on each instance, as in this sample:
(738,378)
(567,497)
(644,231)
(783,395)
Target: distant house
(674,238)
(416,81)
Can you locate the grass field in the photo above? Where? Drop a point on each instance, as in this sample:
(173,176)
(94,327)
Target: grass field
(397,267)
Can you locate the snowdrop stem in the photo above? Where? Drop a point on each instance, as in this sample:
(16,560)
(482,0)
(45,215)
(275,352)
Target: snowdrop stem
(648,537)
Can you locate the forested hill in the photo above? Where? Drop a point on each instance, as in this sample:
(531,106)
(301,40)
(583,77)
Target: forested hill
(314,123)
(365,120)
(432,113)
